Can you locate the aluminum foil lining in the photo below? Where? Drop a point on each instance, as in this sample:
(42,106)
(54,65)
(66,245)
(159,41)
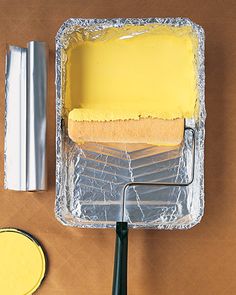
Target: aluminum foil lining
(90,178)
(25,117)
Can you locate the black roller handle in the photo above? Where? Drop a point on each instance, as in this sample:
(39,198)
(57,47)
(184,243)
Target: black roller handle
(120,261)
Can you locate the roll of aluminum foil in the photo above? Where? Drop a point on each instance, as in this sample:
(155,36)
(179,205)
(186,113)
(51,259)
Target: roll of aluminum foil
(25,117)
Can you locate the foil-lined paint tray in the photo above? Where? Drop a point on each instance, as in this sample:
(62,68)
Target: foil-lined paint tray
(91,177)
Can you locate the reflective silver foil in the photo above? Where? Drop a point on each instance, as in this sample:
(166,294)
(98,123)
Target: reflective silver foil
(25,117)
(90,178)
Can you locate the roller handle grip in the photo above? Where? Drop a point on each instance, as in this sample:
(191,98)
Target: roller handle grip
(120,260)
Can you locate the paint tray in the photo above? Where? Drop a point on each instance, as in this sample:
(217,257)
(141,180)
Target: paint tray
(162,187)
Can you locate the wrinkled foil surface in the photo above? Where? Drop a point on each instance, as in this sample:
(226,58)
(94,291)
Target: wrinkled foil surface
(90,178)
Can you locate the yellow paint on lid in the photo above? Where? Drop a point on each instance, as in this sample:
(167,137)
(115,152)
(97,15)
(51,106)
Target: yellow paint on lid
(22,263)
(132,72)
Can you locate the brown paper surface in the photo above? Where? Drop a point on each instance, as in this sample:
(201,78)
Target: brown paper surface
(200,261)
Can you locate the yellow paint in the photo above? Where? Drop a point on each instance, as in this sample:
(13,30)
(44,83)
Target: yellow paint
(22,263)
(132,72)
